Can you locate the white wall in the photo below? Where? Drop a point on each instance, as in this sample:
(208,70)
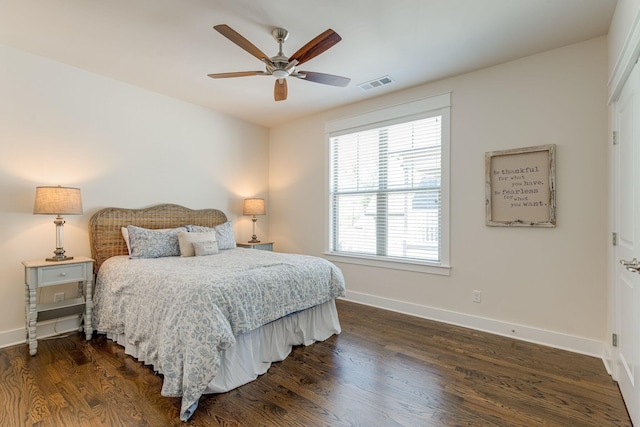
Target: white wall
(123,146)
(545,285)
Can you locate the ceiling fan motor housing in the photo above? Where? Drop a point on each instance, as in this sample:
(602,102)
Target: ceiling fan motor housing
(280,61)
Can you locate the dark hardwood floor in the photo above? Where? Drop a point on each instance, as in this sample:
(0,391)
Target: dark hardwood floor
(385,369)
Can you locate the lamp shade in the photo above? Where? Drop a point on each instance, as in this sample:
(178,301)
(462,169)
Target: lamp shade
(58,201)
(253,207)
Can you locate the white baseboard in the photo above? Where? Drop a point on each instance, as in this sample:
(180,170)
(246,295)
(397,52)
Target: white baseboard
(525,333)
(43,330)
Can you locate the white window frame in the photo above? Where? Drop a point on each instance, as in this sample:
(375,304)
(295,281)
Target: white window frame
(439,104)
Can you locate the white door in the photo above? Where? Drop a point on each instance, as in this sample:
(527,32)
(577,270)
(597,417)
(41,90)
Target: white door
(627,224)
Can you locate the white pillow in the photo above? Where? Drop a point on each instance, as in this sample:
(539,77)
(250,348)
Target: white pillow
(186,241)
(205,248)
(125,236)
(224,234)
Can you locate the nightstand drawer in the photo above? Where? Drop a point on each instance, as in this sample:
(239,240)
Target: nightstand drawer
(61,274)
(264,247)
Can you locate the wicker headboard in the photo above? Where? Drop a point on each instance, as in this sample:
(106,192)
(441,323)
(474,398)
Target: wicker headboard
(105,235)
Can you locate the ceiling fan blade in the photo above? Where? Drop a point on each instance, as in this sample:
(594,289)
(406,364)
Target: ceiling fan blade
(280,90)
(325,79)
(235,37)
(316,46)
(237,74)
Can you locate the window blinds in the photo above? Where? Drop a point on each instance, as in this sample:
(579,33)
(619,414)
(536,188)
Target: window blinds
(385,190)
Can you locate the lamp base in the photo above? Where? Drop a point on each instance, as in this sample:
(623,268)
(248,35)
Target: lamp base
(59,255)
(254,238)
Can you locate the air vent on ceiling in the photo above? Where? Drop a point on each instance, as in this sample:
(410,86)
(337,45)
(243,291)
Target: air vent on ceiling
(379,82)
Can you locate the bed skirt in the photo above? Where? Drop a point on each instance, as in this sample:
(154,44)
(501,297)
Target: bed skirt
(254,351)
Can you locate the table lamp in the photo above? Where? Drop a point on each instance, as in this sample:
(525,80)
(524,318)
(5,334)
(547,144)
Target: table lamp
(254,207)
(58,201)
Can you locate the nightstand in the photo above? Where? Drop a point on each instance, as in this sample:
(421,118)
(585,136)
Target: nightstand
(263,246)
(41,273)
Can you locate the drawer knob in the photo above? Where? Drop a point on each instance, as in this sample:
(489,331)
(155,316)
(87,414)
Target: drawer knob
(63,274)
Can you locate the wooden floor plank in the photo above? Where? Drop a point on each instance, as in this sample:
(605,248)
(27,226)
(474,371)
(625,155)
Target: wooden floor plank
(384,369)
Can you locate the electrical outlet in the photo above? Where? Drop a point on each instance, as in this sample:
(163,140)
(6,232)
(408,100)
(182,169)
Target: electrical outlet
(58,297)
(477,296)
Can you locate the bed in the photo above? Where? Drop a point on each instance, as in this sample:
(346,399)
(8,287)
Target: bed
(207,323)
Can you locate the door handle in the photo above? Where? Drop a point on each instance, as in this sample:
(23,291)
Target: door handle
(632,265)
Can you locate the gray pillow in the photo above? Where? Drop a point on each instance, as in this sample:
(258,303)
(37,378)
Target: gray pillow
(147,243)
(224,234)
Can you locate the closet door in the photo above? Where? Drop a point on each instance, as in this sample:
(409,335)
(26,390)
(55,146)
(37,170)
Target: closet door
(627,250)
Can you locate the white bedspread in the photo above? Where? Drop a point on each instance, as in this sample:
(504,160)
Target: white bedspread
(182,311)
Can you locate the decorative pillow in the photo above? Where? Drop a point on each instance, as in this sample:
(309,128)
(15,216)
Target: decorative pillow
(125,236)
(147,243)
(186,241)
(205,248)
(224,234)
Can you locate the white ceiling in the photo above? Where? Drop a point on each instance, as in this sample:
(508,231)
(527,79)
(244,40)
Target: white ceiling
(169,46)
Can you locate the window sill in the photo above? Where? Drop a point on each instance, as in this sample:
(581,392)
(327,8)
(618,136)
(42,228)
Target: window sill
(407,265)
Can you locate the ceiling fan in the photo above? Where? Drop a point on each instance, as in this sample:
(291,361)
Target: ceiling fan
(280,66)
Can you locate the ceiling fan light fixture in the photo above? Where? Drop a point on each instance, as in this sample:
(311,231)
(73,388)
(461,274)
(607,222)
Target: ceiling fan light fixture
(280,74)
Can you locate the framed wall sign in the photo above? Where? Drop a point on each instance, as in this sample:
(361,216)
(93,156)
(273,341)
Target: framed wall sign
(521,187)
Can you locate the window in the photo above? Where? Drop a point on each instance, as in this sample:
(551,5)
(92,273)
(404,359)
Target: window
(388,184)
